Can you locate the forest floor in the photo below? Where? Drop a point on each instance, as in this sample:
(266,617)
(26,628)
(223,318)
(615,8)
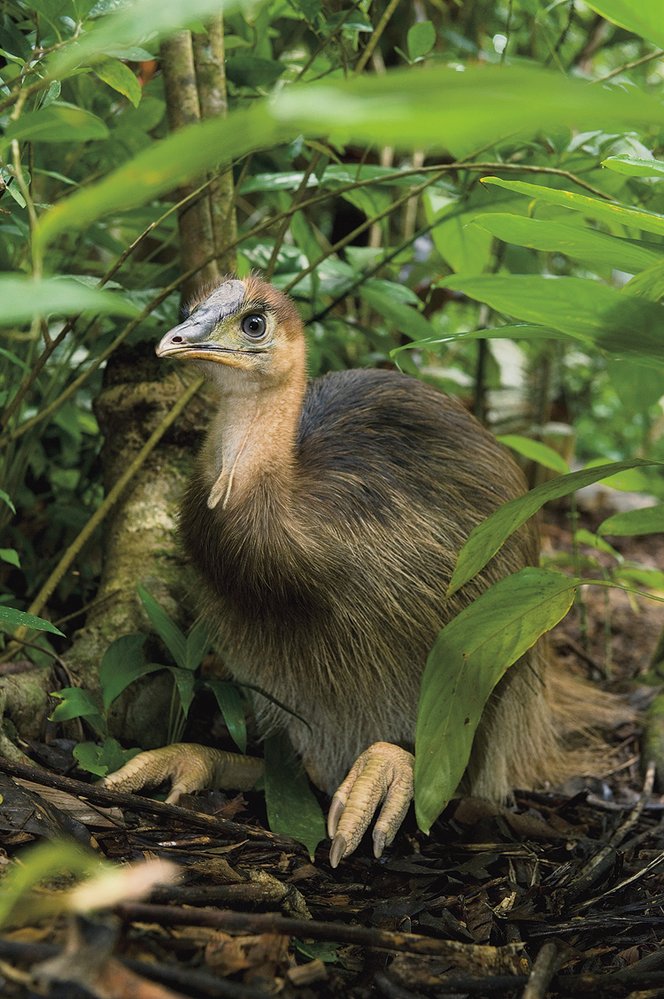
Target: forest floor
(560,894)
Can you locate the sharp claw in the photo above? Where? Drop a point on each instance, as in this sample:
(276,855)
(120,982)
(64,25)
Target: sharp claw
(337,850)
(334,814)
(379,840)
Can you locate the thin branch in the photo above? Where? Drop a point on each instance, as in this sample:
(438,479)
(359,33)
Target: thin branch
(631,65)
(376,35)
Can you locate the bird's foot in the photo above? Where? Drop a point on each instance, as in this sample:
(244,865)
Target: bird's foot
(187,767)
(383,771)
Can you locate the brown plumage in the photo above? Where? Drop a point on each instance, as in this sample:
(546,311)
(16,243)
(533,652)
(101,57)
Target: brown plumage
(324,519)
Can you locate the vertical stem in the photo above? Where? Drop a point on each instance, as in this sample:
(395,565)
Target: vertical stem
(183,107)
(209,60)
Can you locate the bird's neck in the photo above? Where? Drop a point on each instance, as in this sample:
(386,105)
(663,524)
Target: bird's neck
(252,439)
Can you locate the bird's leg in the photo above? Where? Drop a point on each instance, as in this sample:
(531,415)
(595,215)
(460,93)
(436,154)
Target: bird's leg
(188,767)
(383,772)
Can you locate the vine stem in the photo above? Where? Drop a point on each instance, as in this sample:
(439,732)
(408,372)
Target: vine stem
(77,544)
(376,36)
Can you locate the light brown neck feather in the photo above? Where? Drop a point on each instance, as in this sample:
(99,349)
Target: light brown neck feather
(254,432)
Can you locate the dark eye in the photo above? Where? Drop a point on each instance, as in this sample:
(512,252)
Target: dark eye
(254,326)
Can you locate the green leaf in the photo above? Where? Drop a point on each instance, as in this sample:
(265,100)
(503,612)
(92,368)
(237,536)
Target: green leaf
(644,18)
(122,663)
(10,555)
(75,702)
(594,208)
(480,105)
(185,683)
(197,644)
(421,39)
(252,71)
(130,25)
(469,657)
(465,247)
(23,298)
(6,499)
(39,863)
(485,539)
(649,520)
(56,123)
(292,807)
(536,451)
(575,242)
(634,166)
(232,707)
(591,312)
(102,758)
(405,318)
(118,76)
(11,619)
(649,283)
(167,630)
(584,537)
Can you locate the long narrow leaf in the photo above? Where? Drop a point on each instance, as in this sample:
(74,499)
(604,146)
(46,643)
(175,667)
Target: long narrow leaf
(594,208)
(485,539)
(167,630)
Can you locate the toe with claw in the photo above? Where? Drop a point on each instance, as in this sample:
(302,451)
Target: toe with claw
(187,767)
(383,773)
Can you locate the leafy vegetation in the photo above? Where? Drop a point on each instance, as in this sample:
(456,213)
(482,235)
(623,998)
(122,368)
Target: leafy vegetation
(427,186)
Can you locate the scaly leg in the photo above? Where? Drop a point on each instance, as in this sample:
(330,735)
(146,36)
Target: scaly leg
(383,771)
(188,767)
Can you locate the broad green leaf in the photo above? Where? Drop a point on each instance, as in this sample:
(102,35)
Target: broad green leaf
(232,707)
(594,208)
(23,298)
(536,451)
(118,76)
(122,663)
(643,17)
(592,312)
(421,39)
(476,106)
(466,248)
(637,385)
(197,644)
(102,758)
(167,630)
(649,520)
(634,166)
(10,555)
(292,807)
(56,123)
(579,243)
(469,657)
(11,619)
(75,702)
(130,25)
(485,539)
